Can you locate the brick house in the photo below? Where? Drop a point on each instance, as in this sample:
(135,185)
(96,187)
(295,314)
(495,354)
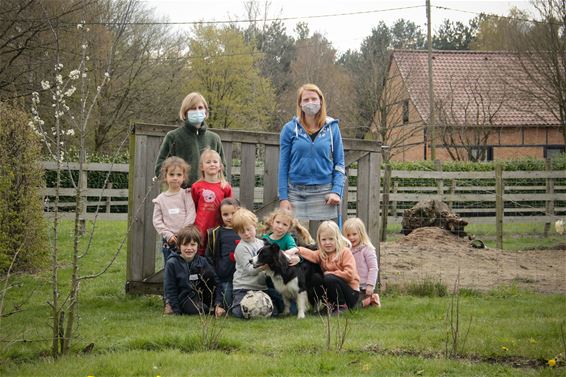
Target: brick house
(482,110)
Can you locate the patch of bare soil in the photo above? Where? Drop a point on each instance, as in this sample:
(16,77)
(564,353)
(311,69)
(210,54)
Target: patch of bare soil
(435,253)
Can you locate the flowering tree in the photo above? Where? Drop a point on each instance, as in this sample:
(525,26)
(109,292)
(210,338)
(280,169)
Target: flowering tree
(68,121)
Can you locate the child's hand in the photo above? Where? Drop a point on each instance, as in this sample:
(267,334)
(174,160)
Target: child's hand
(219,311)
(369,290)
(172,240)
(293,260)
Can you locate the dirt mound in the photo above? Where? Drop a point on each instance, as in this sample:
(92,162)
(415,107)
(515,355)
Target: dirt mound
(434,253)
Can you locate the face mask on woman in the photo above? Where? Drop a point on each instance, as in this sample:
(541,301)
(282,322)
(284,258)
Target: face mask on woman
(311,108)
(196,117)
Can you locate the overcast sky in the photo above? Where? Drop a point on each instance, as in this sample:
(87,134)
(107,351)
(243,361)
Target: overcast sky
(344,31)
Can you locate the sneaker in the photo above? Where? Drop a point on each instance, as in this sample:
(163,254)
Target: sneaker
(375,300)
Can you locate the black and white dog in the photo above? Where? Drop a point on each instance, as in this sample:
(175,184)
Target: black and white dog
(296,282)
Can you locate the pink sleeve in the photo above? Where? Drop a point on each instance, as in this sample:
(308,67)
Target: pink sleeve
(371,260)
(158,223)
(190,206)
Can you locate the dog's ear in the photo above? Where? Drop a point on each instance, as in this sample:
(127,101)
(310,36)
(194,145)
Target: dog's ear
(275,247)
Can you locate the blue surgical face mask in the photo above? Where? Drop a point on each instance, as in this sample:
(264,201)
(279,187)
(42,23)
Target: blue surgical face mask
(196,117)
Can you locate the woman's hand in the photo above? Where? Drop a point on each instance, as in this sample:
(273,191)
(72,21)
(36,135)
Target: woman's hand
(285,204)
(332,199)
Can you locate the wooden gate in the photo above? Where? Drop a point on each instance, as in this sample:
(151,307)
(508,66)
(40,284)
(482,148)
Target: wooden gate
(257,190)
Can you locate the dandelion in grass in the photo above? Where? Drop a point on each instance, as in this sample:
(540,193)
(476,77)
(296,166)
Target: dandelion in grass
(503,348)
(532,341)
(552,362)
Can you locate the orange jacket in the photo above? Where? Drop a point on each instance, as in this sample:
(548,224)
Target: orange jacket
(344,267)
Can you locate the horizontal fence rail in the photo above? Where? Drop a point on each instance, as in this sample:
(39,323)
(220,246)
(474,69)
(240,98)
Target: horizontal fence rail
(460,190)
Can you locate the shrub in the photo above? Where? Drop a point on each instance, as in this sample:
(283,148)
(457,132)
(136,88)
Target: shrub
(21,210)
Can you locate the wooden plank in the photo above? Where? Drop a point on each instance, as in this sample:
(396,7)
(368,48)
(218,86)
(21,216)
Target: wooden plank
(270,177)
(228,155)
(491,219)
(89,216)
(362,200)
(99,192)
(138,209)
(152,189)
(499,204)
(251,137)
(558,174)
(247,176)
(90,166)
(442,175)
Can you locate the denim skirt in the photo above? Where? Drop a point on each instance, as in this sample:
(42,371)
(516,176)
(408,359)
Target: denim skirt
(309,202)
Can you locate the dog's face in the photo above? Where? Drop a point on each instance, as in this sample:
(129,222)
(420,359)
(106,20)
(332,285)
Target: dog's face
(267,255)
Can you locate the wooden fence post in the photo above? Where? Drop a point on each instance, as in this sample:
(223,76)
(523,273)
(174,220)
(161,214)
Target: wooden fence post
(108,198)
(385,196)
(394,203)
(439,181)
(550,192)
(452,192)
(499,204)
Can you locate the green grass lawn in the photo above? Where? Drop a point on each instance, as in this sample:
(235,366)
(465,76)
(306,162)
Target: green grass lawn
(511,333)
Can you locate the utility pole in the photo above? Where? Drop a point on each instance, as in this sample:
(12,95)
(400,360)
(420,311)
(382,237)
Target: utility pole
(430,127)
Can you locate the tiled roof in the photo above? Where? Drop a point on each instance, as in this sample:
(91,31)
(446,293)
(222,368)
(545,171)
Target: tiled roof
(466,78)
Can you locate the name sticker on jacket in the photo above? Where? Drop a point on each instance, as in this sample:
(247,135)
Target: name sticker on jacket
(174,211)
(193,277)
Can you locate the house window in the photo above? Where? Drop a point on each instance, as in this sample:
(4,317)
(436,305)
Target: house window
(476,153)
(406,111)
(553,150)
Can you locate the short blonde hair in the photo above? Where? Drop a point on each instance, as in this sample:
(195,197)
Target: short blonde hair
(243,218)
(356,224)
(321,116)
(341,241)
(191,101)
(294,224)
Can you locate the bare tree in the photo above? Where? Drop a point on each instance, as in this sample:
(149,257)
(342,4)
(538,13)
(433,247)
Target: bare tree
(467,117)
(542,57)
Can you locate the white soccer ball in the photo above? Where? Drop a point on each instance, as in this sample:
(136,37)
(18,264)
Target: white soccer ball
(256,304)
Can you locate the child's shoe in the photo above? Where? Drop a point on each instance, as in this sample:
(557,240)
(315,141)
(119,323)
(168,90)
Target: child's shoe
(168,309)
(375,300)
(366,302)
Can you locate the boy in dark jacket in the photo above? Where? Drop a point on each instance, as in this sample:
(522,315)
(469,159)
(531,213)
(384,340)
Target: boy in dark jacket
(191,286)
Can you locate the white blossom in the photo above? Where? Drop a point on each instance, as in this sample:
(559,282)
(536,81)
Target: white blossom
(71,132)
(84,46)
(58,66)
(45,85)
(79,26)
(74,74)
(84,75)
(106,74)
(59,79)
(98,88)
(70,91)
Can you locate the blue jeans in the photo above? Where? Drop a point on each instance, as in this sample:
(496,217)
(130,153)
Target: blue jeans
(167,250)
(227,294)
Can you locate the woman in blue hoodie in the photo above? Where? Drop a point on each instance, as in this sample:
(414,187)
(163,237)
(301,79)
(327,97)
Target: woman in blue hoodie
(311,162)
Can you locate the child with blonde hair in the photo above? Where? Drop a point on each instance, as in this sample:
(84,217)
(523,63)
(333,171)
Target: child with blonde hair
(341,284)
(366,260)
(278,227)
(173,209)
(208,192)
(246,277)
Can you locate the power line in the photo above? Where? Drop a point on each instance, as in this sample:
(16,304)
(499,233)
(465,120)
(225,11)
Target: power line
(225,21)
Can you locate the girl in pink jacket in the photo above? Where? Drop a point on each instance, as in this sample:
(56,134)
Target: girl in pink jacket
(366,260)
